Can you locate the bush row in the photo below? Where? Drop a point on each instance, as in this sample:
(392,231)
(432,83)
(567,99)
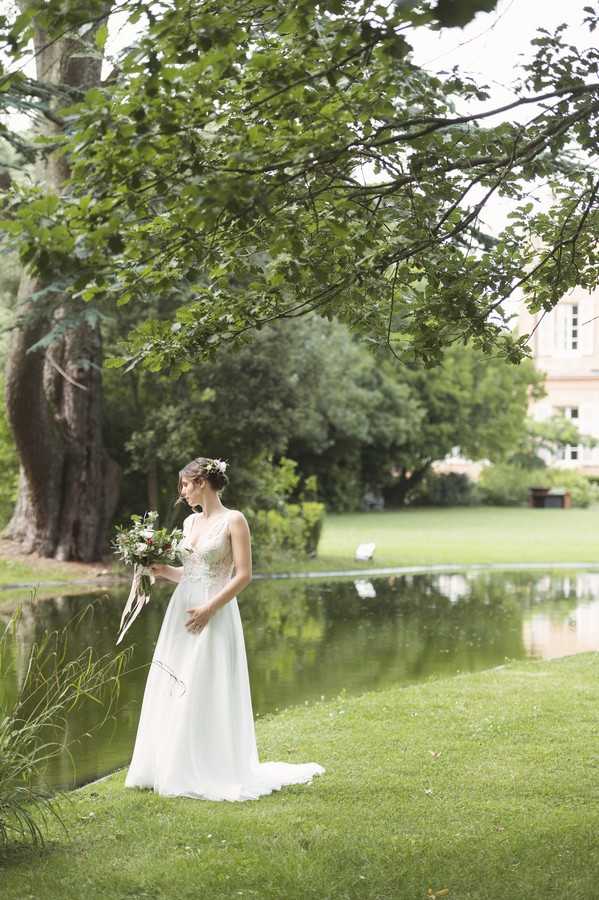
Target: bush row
(502,485)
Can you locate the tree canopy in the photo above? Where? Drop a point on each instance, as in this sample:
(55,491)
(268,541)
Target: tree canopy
(318,395)
(248,162)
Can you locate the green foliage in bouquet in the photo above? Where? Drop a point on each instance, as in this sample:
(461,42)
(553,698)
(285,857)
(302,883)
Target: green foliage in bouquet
(143,543)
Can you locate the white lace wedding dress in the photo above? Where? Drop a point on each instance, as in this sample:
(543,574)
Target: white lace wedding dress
(196,735)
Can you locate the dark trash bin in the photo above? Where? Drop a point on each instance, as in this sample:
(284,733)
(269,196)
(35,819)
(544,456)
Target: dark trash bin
(536,496)
(549,498)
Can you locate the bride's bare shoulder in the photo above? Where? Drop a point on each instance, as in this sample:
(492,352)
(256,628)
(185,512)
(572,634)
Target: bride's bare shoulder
(235,516)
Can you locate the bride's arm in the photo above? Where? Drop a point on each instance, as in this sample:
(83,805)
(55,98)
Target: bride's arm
(171,573)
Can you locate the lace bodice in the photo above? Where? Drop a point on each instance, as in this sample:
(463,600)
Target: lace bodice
(212,556)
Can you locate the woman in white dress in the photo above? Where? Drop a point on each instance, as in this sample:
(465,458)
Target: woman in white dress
(196,735)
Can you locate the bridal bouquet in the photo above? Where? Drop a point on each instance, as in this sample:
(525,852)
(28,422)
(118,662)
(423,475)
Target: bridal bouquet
(140,546)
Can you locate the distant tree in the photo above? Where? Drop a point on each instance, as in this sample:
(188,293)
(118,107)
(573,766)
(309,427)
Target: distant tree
(549,436)
(472,401)
(313,392)
(308,389)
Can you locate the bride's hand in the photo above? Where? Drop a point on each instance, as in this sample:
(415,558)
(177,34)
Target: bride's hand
(157,569)
(198,618)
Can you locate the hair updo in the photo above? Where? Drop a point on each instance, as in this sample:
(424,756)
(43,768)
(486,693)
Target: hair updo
(213,470)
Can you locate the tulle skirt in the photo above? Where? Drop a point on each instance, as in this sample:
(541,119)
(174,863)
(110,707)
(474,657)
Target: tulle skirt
(196,734)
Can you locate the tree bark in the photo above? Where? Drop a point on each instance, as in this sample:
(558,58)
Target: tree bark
(68,486)
(152,484)
(408,480)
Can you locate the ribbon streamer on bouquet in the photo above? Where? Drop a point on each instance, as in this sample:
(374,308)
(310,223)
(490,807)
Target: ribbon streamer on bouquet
(139,595)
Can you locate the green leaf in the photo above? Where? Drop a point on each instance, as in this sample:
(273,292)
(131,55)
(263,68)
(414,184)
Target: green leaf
(115,362)
(101,35)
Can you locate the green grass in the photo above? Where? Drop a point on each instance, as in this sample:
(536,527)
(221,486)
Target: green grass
(20,579)
(484,784)
(459,535)
(406,538)
(13,571)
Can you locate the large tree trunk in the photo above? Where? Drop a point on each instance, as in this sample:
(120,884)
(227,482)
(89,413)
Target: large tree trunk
(153,485)
(68,485)
(407,481)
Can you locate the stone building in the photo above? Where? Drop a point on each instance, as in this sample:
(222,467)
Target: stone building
(565,345)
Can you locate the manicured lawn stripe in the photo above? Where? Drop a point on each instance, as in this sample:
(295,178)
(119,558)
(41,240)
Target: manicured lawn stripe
(405,538)
(460,535)
(484,784)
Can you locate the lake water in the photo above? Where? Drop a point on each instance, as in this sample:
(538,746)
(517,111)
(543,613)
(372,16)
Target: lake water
(307,639)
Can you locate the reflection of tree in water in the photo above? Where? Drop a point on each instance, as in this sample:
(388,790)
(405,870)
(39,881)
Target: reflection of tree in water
(285,624)
(412,630)
(305,639)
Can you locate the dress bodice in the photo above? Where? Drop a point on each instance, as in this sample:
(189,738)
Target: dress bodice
(212,557)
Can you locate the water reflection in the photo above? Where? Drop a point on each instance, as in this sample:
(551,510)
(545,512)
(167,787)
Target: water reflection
(309,639)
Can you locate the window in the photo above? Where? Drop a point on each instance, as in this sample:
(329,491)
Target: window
(569,452)
(574,327)
(570,327)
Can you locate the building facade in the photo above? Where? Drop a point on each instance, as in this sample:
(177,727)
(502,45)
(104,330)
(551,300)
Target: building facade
(565,345)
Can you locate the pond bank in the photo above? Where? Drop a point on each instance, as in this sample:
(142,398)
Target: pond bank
(481,784)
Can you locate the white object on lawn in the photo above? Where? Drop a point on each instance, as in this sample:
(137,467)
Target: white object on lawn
(365,551)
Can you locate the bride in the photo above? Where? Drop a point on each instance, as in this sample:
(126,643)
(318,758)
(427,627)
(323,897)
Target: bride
(196,735)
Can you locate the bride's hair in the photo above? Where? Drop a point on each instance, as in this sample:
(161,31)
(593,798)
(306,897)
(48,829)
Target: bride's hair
(213,470)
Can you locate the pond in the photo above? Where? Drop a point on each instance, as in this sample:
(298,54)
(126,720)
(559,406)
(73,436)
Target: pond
(309,639)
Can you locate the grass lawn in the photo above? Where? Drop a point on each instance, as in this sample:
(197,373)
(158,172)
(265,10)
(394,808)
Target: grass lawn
(458,535)
(17,567)
(403,538)
(15,571)
(484,785)
(22,578)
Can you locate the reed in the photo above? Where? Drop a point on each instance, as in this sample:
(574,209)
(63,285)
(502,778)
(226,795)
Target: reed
(32,722)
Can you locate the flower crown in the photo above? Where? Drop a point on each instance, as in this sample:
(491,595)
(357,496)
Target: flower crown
(216,465)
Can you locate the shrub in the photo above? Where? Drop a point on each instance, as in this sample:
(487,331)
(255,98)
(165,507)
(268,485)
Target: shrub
(292,530)
(506,485)
(446,489)
(313,516)
(53,685)
(582,490)
(280,527)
